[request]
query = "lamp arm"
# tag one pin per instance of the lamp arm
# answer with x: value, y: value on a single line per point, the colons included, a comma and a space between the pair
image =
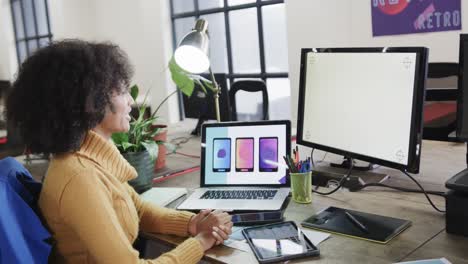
x: 216, y: 91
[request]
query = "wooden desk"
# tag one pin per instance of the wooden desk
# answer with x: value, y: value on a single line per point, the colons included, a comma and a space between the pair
x: 426, y: 238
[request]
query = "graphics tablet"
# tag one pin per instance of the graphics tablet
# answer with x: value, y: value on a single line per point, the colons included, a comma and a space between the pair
x: 372, y: 227
x: 279, y: 242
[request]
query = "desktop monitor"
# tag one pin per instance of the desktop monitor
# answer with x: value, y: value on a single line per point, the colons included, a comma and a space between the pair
x: 462, y: 102
x: 364, y: 103
x: 201, y: 105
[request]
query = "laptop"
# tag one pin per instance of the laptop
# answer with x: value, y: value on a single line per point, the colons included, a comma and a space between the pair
x: 242, y: 166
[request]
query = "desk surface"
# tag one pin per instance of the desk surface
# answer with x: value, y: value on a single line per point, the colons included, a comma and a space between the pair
x: 426, y: 238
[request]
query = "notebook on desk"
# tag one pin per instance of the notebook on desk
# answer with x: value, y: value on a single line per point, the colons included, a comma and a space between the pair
x: 376, y: 228
x: 240, y: 168
x: 163, y: 196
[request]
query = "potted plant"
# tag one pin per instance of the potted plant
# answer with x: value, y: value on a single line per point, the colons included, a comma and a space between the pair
x: 139, y: 146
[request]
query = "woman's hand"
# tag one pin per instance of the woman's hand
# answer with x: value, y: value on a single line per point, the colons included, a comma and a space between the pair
x: 216, y: 237
x: 206, y: 240
x: 206, y: 219
x: 211, y: 227
x: 192, y: 227
x: 222, y: 232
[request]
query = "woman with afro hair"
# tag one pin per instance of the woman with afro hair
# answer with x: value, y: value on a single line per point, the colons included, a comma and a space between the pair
x: 67, y: 100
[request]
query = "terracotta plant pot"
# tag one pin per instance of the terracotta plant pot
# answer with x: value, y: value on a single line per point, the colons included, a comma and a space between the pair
x: 161, y: 136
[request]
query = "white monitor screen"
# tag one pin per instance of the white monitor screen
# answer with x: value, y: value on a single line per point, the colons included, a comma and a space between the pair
x: 360, y: 103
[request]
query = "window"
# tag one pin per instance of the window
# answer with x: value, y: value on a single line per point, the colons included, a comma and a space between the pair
x: 31, y: 25
x: 247, y: 40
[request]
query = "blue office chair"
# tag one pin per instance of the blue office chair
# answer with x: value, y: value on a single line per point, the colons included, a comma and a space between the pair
x: 250, y: 86
x: 23, y: 237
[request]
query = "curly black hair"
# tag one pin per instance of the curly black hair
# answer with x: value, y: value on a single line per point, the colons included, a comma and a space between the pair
x: 63, y: 90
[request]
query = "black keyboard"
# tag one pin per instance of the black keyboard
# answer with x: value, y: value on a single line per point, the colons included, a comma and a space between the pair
x: 239, y: 194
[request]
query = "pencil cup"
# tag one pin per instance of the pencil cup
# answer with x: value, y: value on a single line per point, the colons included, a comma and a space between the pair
x: 301, y: 185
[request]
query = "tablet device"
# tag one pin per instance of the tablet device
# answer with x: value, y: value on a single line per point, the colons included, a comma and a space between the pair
x: 279, y: 242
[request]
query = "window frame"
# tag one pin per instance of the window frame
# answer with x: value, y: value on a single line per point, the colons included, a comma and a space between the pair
x: 35, y: 36
x: 230, y: 75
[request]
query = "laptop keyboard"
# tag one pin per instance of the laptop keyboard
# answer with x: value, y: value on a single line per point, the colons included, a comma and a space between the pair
x: 239, y: 194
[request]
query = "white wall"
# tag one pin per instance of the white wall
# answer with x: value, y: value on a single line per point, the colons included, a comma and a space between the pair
x: 140, y: 27
x: 8, y: 61
x: 341, y: 23
x: 73, y: 19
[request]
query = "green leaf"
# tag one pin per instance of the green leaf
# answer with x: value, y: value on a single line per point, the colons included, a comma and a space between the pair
x: 120, y: 137
x: 152, y: 148
x: 181, y: 78
x: 170, y: 147
x: 127, y: 145
x: 134, y: 91
x: 155, y: 132
x: 141, y: 112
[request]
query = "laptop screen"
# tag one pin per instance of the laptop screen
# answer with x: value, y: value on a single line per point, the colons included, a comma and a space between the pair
x: 245, y: 153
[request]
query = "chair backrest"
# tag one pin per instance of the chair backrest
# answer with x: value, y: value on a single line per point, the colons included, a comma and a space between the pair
x: 442, y: 75
x: 250, y: 86
x: 23, y: 237
x: 440, y: 102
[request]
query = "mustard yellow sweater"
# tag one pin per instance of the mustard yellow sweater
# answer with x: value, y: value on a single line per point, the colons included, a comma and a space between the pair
x: 95, y: 215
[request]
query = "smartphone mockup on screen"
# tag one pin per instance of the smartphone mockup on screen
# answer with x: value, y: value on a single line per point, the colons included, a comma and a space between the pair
x: 221, y: 155
x: 244, y: 154
x: 268, y: 161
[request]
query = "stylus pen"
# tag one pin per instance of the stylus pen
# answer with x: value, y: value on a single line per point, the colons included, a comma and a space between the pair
x: 356, y: 222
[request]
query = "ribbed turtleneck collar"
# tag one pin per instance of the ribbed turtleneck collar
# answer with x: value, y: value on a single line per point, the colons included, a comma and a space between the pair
x: 106, y: 154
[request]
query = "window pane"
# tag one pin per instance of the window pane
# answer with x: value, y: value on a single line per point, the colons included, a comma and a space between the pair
x: 244, y: 39
x: 279, y: 94
x: 18, y: 19
x: 240, y: 2
x: 218, y: 49
x: 182, y: 27
x: 21, y: 46
x: 248, y: 105
x: 274, y: 33
x: 207, y: 4
x: 41, y: 17
x: 29, y: 18
x: 32, y: 46
x: 43, y: 42
x: 182, y: 6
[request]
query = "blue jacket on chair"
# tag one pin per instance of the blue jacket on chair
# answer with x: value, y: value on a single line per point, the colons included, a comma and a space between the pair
x: 22, y: 235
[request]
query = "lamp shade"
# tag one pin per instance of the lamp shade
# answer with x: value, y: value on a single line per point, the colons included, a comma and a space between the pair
x: 192, y: 52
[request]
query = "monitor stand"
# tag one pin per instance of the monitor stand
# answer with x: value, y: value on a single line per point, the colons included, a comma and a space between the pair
x: 347, y: 161
x: 327, y: 176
